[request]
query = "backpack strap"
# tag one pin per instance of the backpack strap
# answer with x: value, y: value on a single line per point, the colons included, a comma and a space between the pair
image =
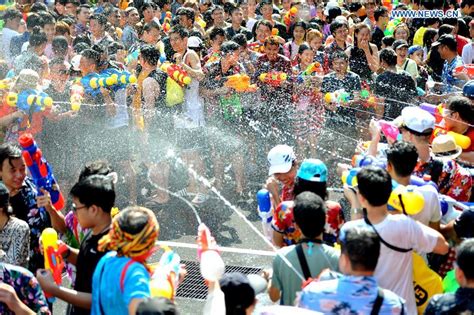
x: 303, y: 262
x: 378, y: 302
x: 392, y: 247
x: 123, y: 274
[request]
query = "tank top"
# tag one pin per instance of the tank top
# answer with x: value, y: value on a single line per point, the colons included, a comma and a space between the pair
x: 193, y: 108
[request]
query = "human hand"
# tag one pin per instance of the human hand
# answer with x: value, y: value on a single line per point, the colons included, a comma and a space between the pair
x: 44, y: 201
x: 10, y: 298
x: 374, y: 130
x: 19, y: 114
x: 461, y: 76
x: 46, y: 281
x: 182, y: 273
x: 351, y: 196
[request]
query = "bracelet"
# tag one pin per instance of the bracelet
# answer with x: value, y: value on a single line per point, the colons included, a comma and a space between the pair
x: 356, y: 210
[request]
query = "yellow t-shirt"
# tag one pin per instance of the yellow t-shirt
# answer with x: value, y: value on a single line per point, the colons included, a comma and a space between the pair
x: 418, y: 37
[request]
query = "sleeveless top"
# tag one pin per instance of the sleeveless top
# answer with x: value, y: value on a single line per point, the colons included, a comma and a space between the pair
x: 358, y: 63
x: 193, y: 107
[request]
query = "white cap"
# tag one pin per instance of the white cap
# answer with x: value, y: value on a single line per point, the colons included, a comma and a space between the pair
x: 330, y: 5
x: 416, y: 119
x: 75, y: 62
x: 281, y: 159
x: 194, y: 42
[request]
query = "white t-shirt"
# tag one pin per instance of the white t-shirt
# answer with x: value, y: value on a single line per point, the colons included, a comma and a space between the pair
x: 7, y: 36
x: 468, y: 54
x: 431, y: 211
x: 394, y: 269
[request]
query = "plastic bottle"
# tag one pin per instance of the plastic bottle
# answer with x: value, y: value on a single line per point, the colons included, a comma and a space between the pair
x: 265, y: 212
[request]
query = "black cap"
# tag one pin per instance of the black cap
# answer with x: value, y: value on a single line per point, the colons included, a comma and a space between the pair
x: 156, y: 306
x: 445, y: 39
x: 238, y: 292
x: 399, y: 43
x: 4, y: 195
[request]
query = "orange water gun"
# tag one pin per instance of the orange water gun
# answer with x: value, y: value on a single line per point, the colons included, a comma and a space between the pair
x: 289, y: 16
x: 461, y: 140
x: 315, y: 67
x: 177, y: 73
x: 240, y: 83
x: 274, y: 79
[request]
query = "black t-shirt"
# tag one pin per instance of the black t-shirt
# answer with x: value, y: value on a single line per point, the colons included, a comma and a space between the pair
x: 377, y: 36
x: 464, y: 224
x: 230, y: 32
x: 87, y: 260
x: 398, y: 89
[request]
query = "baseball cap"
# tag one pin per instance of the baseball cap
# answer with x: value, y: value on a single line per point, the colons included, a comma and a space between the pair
x: 281, y: 159
x: 468, y: 89
x: 416, y: 120
x: 445, y: 39
x: 399, y: 43
x: 313, y: 170
x: 194, y: 42
x: 4, y: 195
x: 238, y: 292
x: 156, y: 306
x: 414, y: 49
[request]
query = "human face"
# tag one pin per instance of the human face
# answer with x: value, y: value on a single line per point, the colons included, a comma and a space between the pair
x: 272, y: 51
x: 85, y: 65
x: 96, y: 29
x: 59, y: 8
x: 185, y: 22
x: 402, y: 52
x: 298, y: 34
x: 177, y: 43
x: 13, y: 173
x: 442, y: 51
x: 82, y: 213
x: 286, y: 5
x: 218, y: 17
x: 339, y: 66
x: 133, y: 17
x: 59, y: 73
x: 316, y: 43
x: 237, y: 17
x: 252, y: 6
x: 262, y: 32
x: 418, y: 57
x: 233, y: 58
x: 148, y: 15
x: 307, y: 56
x: 471, y: 30
x: 267, y: 11
x: 363, y: 34
x: 70, y: 9
x: 383, y: 20
x: 452, y: 120
x: 15, y: 24
x: 114, y: 18
x: 50, y: 30
x: 152, y: 36
x: 401, y: 33
x: 287, y: 178
x: 369, y: 9
x: 84, y: 15
x: 340, y: 34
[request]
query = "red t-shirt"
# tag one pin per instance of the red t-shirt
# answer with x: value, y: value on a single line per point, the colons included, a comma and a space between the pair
x: 461, y: 41
x: 470, y: 133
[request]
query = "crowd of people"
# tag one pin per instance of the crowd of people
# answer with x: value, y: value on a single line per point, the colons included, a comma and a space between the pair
x: 135, y: 102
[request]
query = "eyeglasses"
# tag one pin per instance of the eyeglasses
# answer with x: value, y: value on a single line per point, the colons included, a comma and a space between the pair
x: 63, y: 72
x: 75, y: 208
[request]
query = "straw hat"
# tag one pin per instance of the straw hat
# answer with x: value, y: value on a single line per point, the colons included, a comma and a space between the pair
x: 445, y: 148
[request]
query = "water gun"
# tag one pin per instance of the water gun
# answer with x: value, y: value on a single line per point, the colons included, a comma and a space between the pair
x: 451, y: 208
x: 467, y: 69
x: 133, y: 56
x: 339, y: 97
x: 29, y: 100
x: 53, y: 259
x: 370, y: 100
x: 435, y: 110
x: 116, y: 79
x: 274, y: 79
x: 40, y: 170
x: 240, y: 83
x: 86, y: 83
x: 212, y: 265
x: 166, y: 25
x: 391, y: 26
x: 369, y: 160
x: 165, y: 278
x: 177, y: 73
x: 77, y: 94
x: 422, y: 181
x: 389, y: 130
x: 461, y: 140
x: 349, y: 177
x: 289, y: 16
x: 5, y: 84
x: 406, y: 199
x: 265, y: 212
x: 315, y: 67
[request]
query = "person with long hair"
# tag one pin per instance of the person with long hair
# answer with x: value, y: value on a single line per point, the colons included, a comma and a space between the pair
x: 298, y: 31
x: 363, y: 57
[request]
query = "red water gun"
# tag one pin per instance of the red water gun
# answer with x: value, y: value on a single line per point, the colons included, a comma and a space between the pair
x: 177, y: 73
x: 289, y: 16
x: 274, y: 79
x: 40, y: 170
x: 167, y: 22
x: 466, y: 69
x: 53, y: 259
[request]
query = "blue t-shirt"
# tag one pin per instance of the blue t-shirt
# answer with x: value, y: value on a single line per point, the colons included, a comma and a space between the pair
x: 447, y: 76
x: 106, y: 285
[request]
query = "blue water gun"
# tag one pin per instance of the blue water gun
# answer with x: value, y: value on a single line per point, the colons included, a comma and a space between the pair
x: 40, y: 170
x: 29, y: 100
x: 88, y: 82
x: 118, y: 79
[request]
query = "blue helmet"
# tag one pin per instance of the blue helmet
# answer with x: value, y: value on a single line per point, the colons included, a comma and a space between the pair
x: 468, y: 89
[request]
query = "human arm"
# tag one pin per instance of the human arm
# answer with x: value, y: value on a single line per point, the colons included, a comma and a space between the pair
x: 11, y: 300
x: 467, y: 157
x: 273, y: 187
x: 192, y: 65
x: 427, y: 240
x: 150, y: 90
x: 57, y: 218
x: 372, y: 58
x: 278, y: 239
x: 8, y: 119
x: 71, y: 296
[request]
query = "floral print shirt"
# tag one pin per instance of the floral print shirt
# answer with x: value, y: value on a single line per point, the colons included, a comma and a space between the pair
x: 26, y: 287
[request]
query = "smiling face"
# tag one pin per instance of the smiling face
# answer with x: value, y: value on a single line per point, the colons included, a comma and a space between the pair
x: 262, y: 32
x: 340, y: 66
x: 267, y: 11
x: 272, y: 51
x: 177, y: 43
x: 402, y: 52
x: 148, y: 15
x: 13, y: 173
x: 50, y: 30
x: 400, y: 33
x: 237, y: 17
x: 340, y: 34
x: 363, y: 34
x: 218, y: 17
x: 299, y: 33
x: 316, y: 43
x: 307, y: 56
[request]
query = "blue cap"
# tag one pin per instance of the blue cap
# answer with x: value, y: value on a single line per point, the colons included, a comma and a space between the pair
x: 468, y: 89
x: 413, y: 49
x: 313, y: 170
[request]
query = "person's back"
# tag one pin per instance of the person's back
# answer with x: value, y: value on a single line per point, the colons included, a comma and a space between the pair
x: 360, y: 251
x: 309, y: 214
x: 462, y: 301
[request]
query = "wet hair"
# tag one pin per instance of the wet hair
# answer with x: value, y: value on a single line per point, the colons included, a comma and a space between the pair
x: 60, y: 45
x: 302, y: 48
x: 147, y: 5
x: 34, y: 19
x: 100, y: 18
x: 302, y: 24
x: 465, y: 258
x: 272, y: 41
x: 335, y: 25
x: 47, y: 18
x: 312, y: 34
x: 92, y: 55
x: 95, y: 190
x: 233, y: 8
x: 9, y: 152
x: 319, y: 188
x: 463, y: 106
x: 445, y: 29
x: 11, y: 14
x: 265, y: 23
x: 152, y: 25
x: 380, y: 11
x: 98, y: 167
x: 38, y: 7
x: 340, y: 54
x: 229, y: 47
x: 56, y: 61
x: 150, y: 54
x: 403, y: 157
x: 162, y: 3
x: 240, y: 39
x: 216, y: 31
x: 37, y: 37
x: 428, y: 37
x: 375, y: 185
x: 81, y: 39
x: 82, y: 6
x: 188, y: 12
x: 388, y: 41
x: 62, y: 28
x: 388, y: 56
x: 309, y: 213
x: 216, y: 8
x: 362, y: 247
x: 180, y: 31
x: 113, y: 48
